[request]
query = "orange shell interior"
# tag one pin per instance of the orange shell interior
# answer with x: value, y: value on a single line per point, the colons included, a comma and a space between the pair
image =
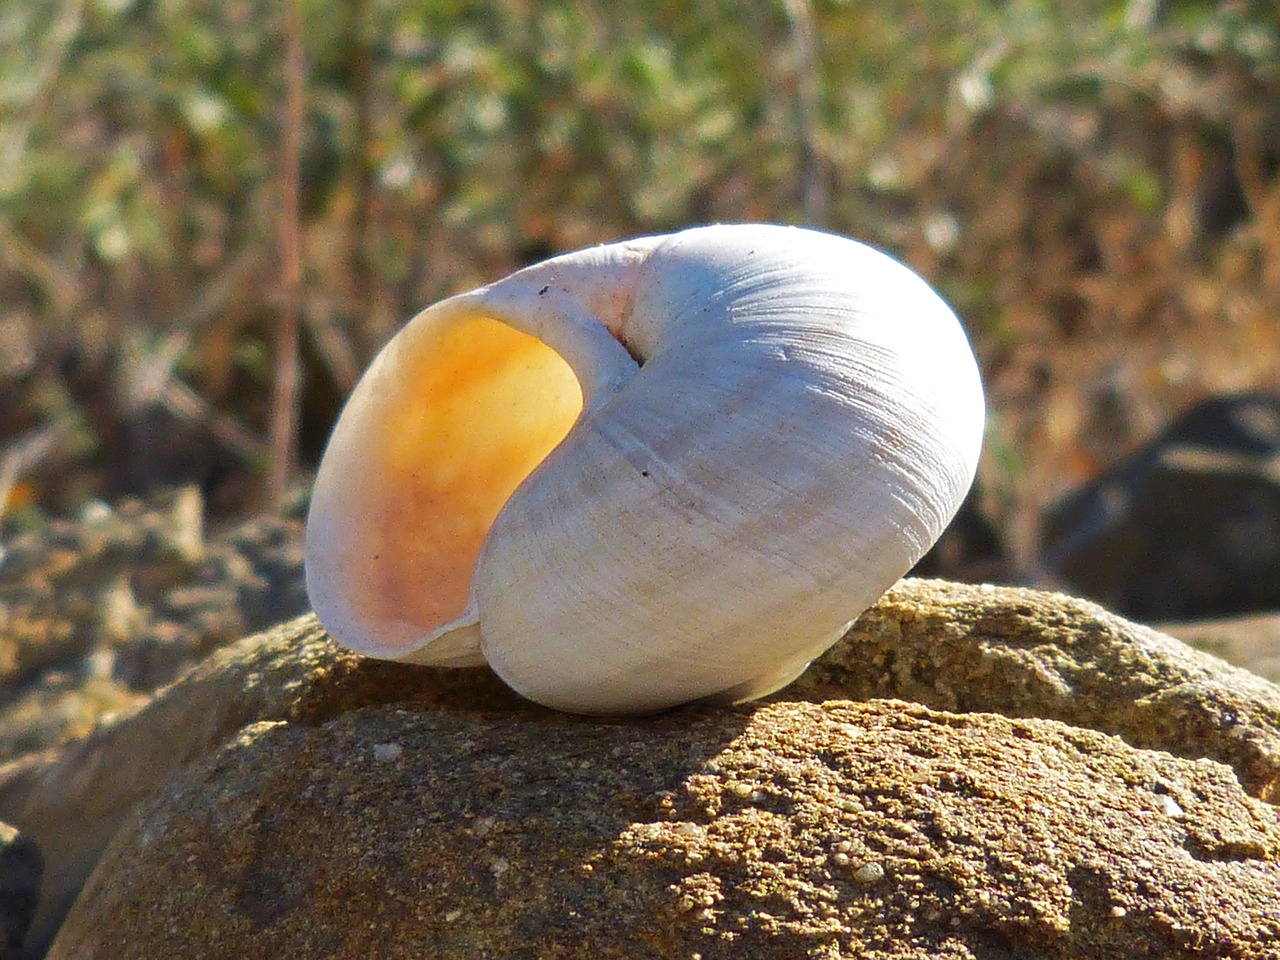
x: 464, y: 411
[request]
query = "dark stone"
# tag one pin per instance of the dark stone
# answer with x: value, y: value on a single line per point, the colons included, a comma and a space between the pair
x: 21, y: 866
x: 1187, y: 527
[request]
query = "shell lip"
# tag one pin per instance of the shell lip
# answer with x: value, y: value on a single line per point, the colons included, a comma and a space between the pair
x: 455, y: 643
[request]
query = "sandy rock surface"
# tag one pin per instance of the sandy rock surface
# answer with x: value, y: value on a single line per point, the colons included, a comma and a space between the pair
x: 300, y: 709
x: 74, y: 799
x: 782, y: 831
x: 1028, y: 653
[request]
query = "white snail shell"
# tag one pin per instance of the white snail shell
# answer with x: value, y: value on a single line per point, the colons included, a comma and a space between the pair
x: 649, y: 472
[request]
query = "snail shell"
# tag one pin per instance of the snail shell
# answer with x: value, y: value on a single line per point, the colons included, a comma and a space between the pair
x: 649, y: 472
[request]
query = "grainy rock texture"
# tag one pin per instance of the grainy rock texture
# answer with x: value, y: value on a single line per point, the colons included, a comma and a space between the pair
x: 20, y: 868
x: 961, y: 649
x: 1027, y: 653
x: 789, y: 830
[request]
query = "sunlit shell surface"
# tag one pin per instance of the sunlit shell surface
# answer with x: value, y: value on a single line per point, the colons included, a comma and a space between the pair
x: 647, y: 473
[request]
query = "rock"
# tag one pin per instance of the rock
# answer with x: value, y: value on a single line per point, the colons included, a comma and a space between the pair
x: 20, y: 869
x: 964, y: 649
x: 1189, y: 527
x: 1252, y: 642
x: 777, y: 831
x: 98, y: 614
x: 1027, y: 653
x: 72, y: 800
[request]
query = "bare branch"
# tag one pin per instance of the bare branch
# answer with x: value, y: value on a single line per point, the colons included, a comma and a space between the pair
x: 58, y: 283
x: 284, y: 408
x: 804, y: 43
x: 183, y: 402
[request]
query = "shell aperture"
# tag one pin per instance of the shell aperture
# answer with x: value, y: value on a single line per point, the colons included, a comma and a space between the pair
x: 451, y: 418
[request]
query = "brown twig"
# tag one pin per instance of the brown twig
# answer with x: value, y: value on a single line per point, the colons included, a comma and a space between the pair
x: 151, y: 381
x: 181, y: 401
x: 334, y: 346
x: 216, y: 296
x: 57, y: 281
x: 148, y: 369
x: 360, y: 77
x: 284, y: 408
x: 804, y: 43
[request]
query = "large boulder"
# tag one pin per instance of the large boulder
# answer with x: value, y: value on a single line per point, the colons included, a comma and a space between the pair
x: 779, y: 831
x: 356, y: 751
x: 72, y: 800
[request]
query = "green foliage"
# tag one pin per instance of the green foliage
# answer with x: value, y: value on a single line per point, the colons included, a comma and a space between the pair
x: 450, y: 140
x: 144, y: 132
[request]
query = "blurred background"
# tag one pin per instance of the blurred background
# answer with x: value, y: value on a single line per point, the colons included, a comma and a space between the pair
x: 1094, y: 185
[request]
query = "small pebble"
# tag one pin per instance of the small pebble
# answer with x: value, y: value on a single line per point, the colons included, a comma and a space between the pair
x: 1169, y: 806
x: 387, y: 751
x: 869, y: 873
x: 95, y: 511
